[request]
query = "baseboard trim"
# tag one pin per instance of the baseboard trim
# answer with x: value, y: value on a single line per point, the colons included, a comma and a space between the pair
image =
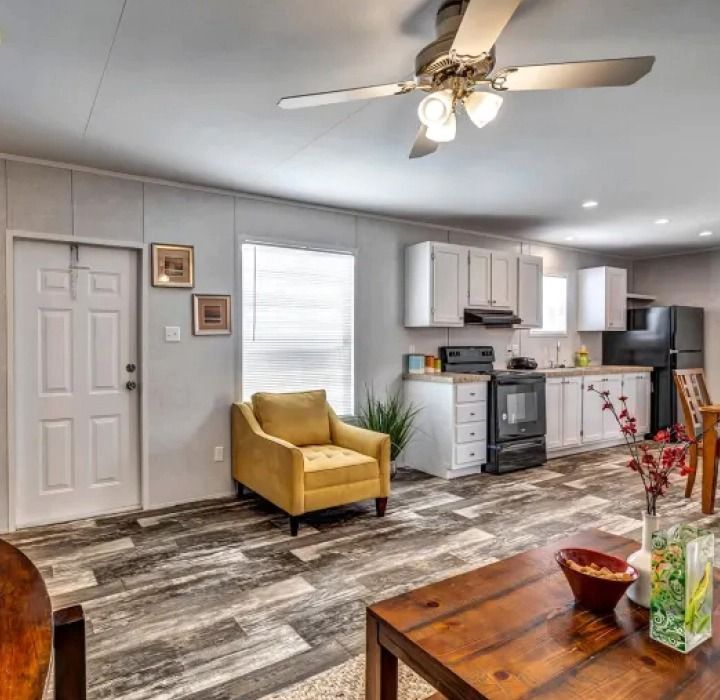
x: 579, y: 449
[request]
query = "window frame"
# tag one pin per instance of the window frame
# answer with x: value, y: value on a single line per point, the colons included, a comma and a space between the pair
x: 296, y: 245
x: 540, y: 332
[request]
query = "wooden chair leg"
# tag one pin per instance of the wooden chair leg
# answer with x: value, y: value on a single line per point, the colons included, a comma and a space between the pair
x: 380, y: 506
x: 294, y: 525
x: 239, y: 490
x: 693, y: 453
x: 69, y: 644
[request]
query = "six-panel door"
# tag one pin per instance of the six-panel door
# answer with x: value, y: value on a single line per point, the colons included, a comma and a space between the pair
x: 76, y: 419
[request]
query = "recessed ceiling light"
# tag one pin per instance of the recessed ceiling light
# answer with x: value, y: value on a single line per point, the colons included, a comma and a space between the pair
x: 590, y: 204
x: 569, y: 238
x: 705, y: 234
x: 662, y: 222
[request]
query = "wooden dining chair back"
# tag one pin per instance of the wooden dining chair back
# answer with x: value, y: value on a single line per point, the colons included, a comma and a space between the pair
x: 693, y: 393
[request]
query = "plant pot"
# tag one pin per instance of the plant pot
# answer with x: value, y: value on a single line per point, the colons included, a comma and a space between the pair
x: 393, y: 468
x: 641, y: 561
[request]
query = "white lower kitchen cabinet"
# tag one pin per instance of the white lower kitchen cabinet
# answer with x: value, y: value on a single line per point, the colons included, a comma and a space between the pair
x: 563, y: 397
x: 450, y: 437
x: 576, y: 421
x: 637, y: 388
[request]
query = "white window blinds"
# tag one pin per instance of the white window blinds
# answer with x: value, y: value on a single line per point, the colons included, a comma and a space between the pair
x: 298, y: 322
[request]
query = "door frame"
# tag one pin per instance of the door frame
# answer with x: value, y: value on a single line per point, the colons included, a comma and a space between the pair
x: 141, y: 249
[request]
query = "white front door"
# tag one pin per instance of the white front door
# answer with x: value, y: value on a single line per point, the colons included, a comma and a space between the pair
x: 76, y: 341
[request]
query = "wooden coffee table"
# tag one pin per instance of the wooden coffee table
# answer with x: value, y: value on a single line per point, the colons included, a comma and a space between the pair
x: 511, y: 630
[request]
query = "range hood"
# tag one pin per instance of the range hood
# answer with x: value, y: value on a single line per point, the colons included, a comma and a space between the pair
x: 492, y: 319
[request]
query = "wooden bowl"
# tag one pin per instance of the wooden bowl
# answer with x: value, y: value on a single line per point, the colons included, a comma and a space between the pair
x: 593, y: 592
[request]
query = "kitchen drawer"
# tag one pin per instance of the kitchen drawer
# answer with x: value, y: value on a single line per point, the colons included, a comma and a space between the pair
x: 470, y: 452
x: 470, y: 432
x: 469, y: 393
x: 470, y: 412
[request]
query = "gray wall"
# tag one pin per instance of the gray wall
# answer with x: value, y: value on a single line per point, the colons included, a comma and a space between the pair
x: 689, y: 280
x: 192, y: 383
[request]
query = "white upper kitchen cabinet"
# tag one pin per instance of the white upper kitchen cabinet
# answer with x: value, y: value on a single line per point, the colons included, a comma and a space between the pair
x: 492, y: 279
x: 480, y: 277
x: 504, y: 281
x: 436, y: 284
x: 530, y: 291
x: 602, y: 299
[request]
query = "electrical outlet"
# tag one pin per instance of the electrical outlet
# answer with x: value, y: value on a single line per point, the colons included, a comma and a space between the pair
x: 219, y: 453
x: 172, y: 334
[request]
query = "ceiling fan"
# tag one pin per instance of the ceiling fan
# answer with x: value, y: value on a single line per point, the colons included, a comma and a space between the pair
x: 457, y: 70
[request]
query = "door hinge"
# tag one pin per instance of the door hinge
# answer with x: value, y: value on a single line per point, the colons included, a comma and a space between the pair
x: 582, y: 432
x: 432, y: 255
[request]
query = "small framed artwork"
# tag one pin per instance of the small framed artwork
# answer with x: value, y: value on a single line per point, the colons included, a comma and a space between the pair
x: 173, y: 265
x: 212, y: 314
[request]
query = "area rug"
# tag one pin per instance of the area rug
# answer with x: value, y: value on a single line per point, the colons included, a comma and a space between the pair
x: 347, y: 682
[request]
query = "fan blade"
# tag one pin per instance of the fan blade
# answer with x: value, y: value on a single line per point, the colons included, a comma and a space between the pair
x: 362, y: 93
x: 481, y: 26
x: 423, y: 146
x: 585, y: 74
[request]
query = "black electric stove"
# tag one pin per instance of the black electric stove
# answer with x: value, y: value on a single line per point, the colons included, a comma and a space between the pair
x: 516, y: 408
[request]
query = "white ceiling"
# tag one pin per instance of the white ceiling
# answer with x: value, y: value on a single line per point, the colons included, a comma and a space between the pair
x: 191, y: 85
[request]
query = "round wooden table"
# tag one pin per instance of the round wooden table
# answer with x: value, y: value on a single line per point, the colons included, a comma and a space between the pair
x: 26, y: 627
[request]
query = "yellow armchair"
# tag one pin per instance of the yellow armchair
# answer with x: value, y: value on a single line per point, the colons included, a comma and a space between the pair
x: 328, y: 463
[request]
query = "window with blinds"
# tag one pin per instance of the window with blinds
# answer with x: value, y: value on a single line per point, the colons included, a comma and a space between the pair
x: 298, y: 322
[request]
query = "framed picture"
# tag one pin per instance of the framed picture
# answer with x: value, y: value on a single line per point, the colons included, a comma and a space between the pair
x: 173, y: 265
x: 212, y: 314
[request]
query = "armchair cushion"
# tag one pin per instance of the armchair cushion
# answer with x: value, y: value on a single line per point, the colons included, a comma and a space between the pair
x: 330, y: 465
x: 300, y: 418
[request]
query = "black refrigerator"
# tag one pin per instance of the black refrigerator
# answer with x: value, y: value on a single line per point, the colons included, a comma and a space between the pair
x: 665, y: 338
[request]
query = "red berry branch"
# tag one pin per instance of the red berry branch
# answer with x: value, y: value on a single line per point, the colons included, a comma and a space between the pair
x: 653, y: 461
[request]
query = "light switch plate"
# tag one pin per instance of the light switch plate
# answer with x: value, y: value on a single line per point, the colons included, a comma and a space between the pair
x: 219, y: 453
x: 172, y: 334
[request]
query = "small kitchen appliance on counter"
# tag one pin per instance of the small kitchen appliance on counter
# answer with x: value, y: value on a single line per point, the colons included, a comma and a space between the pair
x: 522, y: 363
x: 516, y: 417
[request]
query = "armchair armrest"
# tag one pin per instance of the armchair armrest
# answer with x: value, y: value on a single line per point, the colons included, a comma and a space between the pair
x: 271, y: 467
x: 366, y: 442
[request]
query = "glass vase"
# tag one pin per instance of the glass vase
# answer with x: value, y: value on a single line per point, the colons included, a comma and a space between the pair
x: 682, y: 587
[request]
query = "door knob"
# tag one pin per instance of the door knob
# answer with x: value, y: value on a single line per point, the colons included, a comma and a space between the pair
x: 130, y: 367
x: 131, y: 385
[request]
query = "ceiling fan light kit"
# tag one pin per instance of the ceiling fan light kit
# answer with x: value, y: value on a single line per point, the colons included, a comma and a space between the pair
x: 445, y: 132
x: 436, y: 108
x: 462, y: 59
x: 482, y: 107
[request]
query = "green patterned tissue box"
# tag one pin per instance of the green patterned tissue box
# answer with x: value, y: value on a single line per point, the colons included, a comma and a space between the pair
x: 681, y: 600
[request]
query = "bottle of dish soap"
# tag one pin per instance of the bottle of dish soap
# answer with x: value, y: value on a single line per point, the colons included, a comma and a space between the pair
x: 582, y: 357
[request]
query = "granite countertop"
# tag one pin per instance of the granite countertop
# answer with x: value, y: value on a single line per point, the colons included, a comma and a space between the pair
x: 447, y: 378
x: 592, y: 370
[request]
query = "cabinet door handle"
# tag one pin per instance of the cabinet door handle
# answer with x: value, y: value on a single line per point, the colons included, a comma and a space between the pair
x: 472, y: 434
x: 472, y: 414
x: 472, y: 454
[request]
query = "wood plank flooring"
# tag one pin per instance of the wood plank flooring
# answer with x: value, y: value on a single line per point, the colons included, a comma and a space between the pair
x: 216, y: 601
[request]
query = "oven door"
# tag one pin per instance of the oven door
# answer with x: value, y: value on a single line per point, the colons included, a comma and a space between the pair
x: 519, y: 407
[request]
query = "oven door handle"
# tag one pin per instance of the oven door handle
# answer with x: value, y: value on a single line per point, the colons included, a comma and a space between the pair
x: 520, y: 380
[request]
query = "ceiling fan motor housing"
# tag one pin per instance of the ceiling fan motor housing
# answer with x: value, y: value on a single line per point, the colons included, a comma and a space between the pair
x: 434, y: 60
